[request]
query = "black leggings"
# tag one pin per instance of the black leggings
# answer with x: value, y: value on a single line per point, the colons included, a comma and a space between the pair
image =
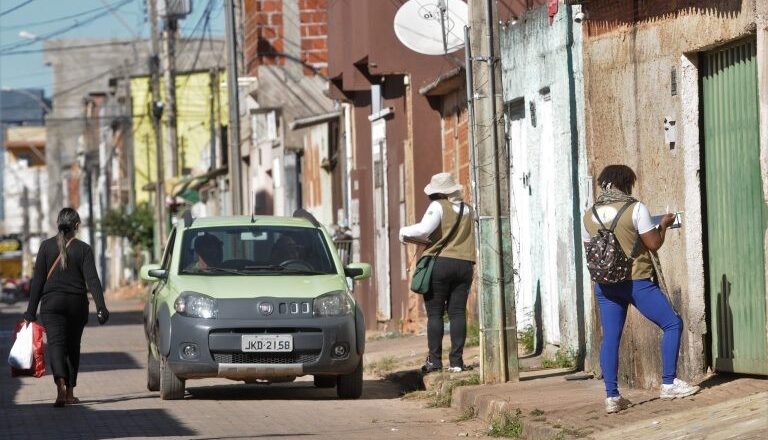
x: 451, y: 280
x: 64, y: 317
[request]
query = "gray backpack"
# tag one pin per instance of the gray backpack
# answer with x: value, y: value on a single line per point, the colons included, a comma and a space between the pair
x: 606, y: 260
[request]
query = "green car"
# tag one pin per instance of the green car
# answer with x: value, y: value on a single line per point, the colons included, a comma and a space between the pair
x: 254, y: 299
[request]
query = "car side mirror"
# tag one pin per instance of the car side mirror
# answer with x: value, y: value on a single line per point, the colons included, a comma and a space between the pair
x: 358, y: 271
x: 152, y: 272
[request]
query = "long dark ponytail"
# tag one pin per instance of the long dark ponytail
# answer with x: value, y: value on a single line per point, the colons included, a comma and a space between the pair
x: 67, y: 223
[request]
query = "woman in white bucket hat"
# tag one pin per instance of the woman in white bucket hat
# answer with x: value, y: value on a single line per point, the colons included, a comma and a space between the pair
x: 448, y: 228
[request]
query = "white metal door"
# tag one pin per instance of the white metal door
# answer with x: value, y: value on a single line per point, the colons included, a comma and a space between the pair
x: 548, y: 234
x: 519, y: 179
x: 381, y: 220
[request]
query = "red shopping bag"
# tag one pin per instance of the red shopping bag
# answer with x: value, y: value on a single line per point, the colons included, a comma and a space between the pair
x: 38, y: 358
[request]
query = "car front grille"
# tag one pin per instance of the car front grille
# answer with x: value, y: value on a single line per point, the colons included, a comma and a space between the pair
x: 267, y: 358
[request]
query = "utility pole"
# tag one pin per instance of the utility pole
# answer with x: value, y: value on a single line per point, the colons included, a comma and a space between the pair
x: 214, y: 80
x: 27, y: 254
x: 235, y: 173
x: 156, y: 112
x: 169, y: 49
x: 499, y: 361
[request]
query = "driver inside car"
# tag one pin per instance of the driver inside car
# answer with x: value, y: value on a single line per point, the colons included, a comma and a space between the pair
x: 285, y: 249
x: 208, y: 253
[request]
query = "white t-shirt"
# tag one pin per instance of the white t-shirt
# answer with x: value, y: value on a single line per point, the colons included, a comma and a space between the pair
x: 430, y: 221
x: 641, y: 218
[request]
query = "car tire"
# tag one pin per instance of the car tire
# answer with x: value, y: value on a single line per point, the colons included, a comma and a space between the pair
x: 350, y: 386
x: 171, y: 387
x: 153, y: 372
x: 325, y: 381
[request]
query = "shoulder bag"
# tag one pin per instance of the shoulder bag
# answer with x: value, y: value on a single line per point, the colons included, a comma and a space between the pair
x: 422, y: 276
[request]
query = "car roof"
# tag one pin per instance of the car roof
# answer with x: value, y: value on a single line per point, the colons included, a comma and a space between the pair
x: 245, y: 220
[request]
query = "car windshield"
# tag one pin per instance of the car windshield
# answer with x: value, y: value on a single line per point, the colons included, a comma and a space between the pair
x: 255, y: 250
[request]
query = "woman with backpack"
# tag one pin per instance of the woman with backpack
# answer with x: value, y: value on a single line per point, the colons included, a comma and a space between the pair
x: 449, y: 228
x: 619, y: 237
x: 64, y: 273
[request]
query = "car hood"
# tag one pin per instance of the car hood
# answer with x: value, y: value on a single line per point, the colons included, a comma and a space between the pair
x: 254, y: 286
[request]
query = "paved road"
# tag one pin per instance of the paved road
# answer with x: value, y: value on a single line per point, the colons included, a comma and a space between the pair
x: 116, y: 403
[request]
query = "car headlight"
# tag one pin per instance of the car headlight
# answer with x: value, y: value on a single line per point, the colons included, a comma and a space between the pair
x: 333, y: 304
x: 196, y: 305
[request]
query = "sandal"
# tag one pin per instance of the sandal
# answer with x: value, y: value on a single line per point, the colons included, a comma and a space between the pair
x: 73, y: 401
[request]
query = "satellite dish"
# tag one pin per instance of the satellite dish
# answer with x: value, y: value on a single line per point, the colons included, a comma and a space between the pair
x: 432, y: 27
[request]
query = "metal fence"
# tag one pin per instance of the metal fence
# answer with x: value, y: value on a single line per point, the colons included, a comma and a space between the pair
x: 344, y: 247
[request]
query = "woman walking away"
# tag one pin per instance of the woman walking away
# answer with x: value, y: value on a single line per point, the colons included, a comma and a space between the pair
x: 449, y: 227
x: 617, y: 216
x: 64, y: 273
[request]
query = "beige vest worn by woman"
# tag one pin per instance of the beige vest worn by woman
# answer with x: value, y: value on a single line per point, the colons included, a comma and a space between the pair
x: 462, y: 246
x: 629, y: 239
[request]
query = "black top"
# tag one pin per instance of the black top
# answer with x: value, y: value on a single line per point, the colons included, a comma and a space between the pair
x: 78, y: 278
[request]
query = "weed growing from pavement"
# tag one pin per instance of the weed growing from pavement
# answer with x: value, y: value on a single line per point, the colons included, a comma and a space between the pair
x: 563, y: 359
x: 527, y: 338
x: 507, y: 424
x: 468, y: 414
x: 537, y: 412
x: 383, y: 365
x: 443, y: 389
x: 473, y: 335
x: 566, y: 433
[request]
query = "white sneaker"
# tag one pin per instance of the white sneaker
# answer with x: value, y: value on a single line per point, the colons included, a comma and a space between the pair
x: 678, y: 389
x: 616, y: 404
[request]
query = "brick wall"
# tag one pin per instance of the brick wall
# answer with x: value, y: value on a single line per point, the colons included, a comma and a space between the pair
x: 313, y: 15
x: 265, y: 29
x: 264, y: 32
x: 455, y: 134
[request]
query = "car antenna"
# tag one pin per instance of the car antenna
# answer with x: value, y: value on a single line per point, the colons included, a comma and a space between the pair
x: 188, y: 219
x: 303, y: 213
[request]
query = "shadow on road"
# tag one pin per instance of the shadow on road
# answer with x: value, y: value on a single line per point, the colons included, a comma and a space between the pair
x: 107, y: 361
x: 372, y: 390
x: 45, y: 421
x: 119, y: 318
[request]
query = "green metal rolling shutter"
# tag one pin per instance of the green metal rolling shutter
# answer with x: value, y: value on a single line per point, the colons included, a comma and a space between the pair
x: 735, y: 210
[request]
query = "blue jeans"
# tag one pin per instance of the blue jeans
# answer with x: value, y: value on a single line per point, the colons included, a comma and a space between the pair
x: 614, y: 300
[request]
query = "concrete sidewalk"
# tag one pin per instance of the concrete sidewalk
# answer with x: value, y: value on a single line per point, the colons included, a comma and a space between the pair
x: 553, y: 408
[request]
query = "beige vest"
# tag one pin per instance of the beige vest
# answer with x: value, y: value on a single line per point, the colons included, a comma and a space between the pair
x: 629, y: 239
x: 462, y: 246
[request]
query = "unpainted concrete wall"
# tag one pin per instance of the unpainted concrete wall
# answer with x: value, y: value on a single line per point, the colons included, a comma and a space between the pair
x: 629, y: 56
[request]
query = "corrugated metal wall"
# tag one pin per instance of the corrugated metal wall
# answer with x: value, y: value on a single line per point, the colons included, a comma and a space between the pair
x: 735, y: 211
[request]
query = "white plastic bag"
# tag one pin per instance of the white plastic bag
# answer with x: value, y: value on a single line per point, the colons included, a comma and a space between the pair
x: 22, y: 352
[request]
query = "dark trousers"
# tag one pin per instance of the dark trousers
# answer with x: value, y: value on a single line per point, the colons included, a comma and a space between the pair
x: 64, y: 317
x: 451, y: 280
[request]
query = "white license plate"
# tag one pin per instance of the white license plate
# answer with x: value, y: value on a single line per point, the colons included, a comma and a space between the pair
x: 266, y: 343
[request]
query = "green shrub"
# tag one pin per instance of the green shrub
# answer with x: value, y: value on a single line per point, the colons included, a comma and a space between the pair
x: 506, y: 424
x: 527, y: 338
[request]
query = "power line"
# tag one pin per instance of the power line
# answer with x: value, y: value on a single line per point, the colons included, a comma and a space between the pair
x: 66, y: 29
x: 65, y: 48
x: 20, y: 5
x: 52, y: 20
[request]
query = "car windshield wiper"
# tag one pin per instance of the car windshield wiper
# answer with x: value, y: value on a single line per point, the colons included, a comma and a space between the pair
x: 284, y: 270
x: 215, y: 269
x: 303, y: 272
x: 268, y: 268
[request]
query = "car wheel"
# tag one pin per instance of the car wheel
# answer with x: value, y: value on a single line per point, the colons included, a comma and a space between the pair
x: 171, y: 387
x: 325, y: 381
x: 153, y: 372
x: 350, y: 386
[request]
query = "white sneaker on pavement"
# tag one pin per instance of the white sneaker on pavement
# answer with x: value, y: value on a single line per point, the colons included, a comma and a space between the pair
x: 616, y: 404
x: 678, y: 389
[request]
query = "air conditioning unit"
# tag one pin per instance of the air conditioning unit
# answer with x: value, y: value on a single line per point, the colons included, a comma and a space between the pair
x: 174, y: 8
